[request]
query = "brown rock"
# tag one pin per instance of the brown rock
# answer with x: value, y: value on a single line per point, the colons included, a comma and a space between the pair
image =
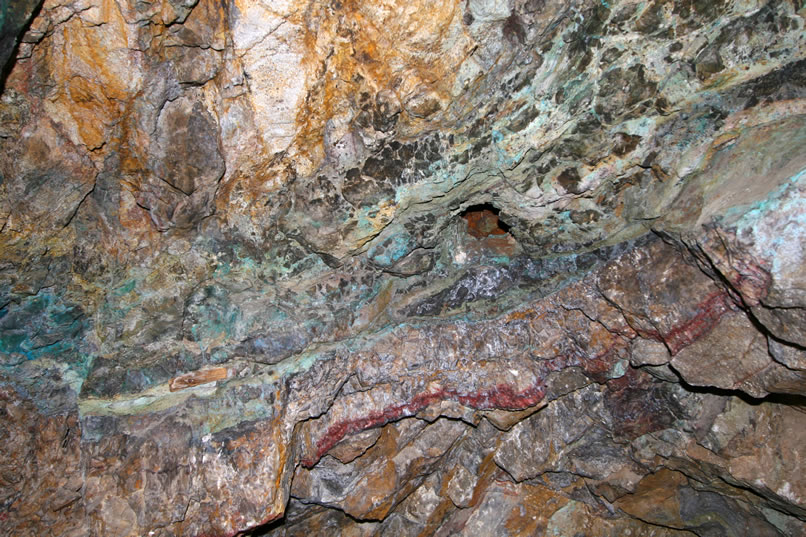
x: 197, y: 378
x: 734, y: 356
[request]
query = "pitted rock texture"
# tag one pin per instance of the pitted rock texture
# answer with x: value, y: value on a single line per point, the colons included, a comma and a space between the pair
x: 385, y: 268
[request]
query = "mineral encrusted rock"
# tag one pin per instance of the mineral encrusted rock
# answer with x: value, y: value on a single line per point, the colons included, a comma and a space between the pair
x: 387, y: 268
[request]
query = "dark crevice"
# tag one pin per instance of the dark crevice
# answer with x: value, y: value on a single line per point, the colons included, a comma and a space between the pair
x: 78, y: 206
x: 264, y: 529
x: 6, y: 69
x: 795, y: 400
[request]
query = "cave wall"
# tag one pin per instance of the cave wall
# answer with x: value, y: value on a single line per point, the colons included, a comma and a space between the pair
x: 473, y: 267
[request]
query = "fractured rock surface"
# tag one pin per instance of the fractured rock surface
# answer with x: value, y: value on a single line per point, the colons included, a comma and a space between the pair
x: 484, y: 267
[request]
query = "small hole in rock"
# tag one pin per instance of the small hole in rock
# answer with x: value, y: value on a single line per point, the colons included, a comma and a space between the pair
x: 482, y: 221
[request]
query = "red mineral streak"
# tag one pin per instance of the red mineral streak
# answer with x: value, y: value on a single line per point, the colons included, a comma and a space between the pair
x: 501, y: 396
x: 595, y: 366
x: 750, y: 277
x: 709, y: 312
x: 599, y: 367
x: 752, y: 281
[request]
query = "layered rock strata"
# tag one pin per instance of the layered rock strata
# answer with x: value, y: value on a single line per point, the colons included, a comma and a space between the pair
x: 477, y: 267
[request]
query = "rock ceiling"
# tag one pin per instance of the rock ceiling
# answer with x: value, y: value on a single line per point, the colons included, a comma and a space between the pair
x: 403, y: 268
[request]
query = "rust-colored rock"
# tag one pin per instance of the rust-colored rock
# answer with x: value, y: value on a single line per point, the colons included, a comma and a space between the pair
x: 197, y: 378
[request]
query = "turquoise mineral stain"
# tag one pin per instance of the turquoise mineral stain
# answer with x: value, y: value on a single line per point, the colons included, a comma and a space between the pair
x: 125, y: 289
x: 50, y: 327
x: 392, y: 250
x: 784, y: 200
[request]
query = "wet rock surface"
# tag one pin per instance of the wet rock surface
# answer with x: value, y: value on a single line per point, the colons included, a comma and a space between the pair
x: 403, y: 268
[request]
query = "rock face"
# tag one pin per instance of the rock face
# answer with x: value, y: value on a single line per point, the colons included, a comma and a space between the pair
x: 386, y: 268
